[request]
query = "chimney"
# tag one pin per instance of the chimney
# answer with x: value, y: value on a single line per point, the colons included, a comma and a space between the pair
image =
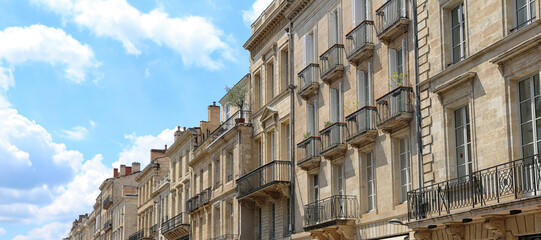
x: 136, y: 167
x: 128, y: 170
x: 177, y: 133
x: 165, y: 148
x: 156, y: 153
x: 122, y: 170
x: 214, y: 114
x: 115, y: 172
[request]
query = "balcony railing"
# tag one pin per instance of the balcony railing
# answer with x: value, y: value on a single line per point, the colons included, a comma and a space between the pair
x: 226, y: 237
x: 154, y: 230
x: 332, y: 138
x: 332, y: 65
x: 308, y: 80
x: 175, y: 222
x: 330, y: 211
x: 391, y: 18
x: 393, y: 104
x: 143, y: 233
x: 359, y: 123
x: 360, y: 42
x: 271, y: 173
x: 240, y: 117
x: 107, y: 225
x: 107, y: 202
x: 506, y: 182
x: 308, y: 152
x: 198, y: 200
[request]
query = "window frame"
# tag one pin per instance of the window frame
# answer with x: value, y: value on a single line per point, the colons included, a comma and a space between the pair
x: 461, y: 24
x: 529, y: 12
x: 370, y: 195
x: 467, y: 145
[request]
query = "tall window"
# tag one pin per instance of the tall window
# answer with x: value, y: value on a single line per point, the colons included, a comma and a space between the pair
x: 315, y: 187
x: 258, y: 90
x: 288, y: 142
x: 458, y: 33
x: 340, y: 180
x: 231, y: 221
x: 359, y: 11
x: 396, y: 65
x: 334, y: 27
x: 403, y: 161
x: 259, y: 154
x: 309, y: 48
x: 311, y: 118
x: 334, y: 104
x: 227, y: 111
x: 230, y: 166
x: 217, y: 222
x: 273, y: 220
x: 201, y: 180
x: 363, y: 88
x: 530, y: 115
x: 270, y: 81
x: 270, y: 147
x: 284, y: 68
x: 259, y: 223
x: 288, y: 216
x: 217, y: 174
x: 525, y: 12
x: 370, y: 186
x: 463, y: 142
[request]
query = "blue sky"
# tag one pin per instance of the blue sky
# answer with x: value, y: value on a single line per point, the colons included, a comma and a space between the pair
x: 88, y: 84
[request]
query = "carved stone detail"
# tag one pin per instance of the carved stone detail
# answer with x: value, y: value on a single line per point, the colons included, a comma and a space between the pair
x: 423, y: 235
x: 496, y: 226
x: 455, y: 232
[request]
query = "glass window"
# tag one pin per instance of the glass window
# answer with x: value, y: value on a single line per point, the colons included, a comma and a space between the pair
x: 359, y: 11
x: 403, y: 159
x: 530, y: 115
x: 525, y: 12
x: 335, y: 105
x: 370, y: 186
x: 309, y: 49
x: 311, y: 119
x: 363, y: 88
x: 340, y: 180
x: 458, y: 33
x: 463, y: 142
x: 315, y: 182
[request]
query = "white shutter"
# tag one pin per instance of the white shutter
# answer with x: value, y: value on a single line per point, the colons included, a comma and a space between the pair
x: 392, y: 68
x: 359, y: 11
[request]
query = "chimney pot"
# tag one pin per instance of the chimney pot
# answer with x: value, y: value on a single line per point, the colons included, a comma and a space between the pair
x: 214, y: 103
x: 165, y: 146
x: 184, y: 128
x: 115, y: 172
x: 178, y: 128
x: 122, y: 170
x: 128, y: 170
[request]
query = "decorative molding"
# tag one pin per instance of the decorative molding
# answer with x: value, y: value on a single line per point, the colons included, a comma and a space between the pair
x: 455, y: 232
x: 496, y: 225
x: 423, y: 235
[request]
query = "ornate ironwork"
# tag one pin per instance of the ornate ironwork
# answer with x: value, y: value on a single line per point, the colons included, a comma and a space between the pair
x: 266, y: 175
x: 324, y: 212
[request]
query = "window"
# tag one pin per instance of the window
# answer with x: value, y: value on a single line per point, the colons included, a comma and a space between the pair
x: 227, y: 109
x: 311, y: 118
x: 529, y: 91
x: 288, y: 217
x: 404, y: 168
x: 270, y: 81
x: 334, y: 27
x: 309, y: 48
x: 525, y: 12
x: 340, y: 179
x: 335, y: 104
x: 259, y: 154
x: 201, y: 180
x: 230, y: 166
x: 217, y: 174
x: 360, y: 10
x: 258, y: 90
x: 259, y: 223
x: 217, y: 222
x: 288, y: 142
x: 396, y: 65
x: 231, y: 221
x: 270, y: 147
x: 315, y: 185
x: 463, y: 142
x: 458, y: 36
x: 370, y: 186
x: 284, y: 68
x: 180, y: 162
x: 273, y: 220
x: 363, y: 88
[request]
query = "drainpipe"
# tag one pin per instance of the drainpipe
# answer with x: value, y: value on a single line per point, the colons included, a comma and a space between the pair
x: 417, y: 101
x: 239, y: 167
x: 292, y: 87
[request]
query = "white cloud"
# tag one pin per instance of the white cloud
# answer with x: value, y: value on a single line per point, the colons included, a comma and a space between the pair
x: 92, y: 123
x: 54, y: 230
x: 2, y: 231
x: 195, y: 38
x: 44, y: 44
x: 139, y: 149
x: 250, y: 15
x: 76, y: 133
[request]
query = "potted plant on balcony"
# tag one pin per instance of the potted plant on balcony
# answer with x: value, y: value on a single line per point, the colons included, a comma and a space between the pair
x: 307, y: 135
x: 235, y: 97
x: 327, y: 123
x: 397, y: 80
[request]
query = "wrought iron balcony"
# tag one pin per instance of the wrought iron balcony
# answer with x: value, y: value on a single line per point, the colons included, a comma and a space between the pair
x: 331, y: 212
x: 270, y: 179
x: 154, y: 230
x: 392, y: 20
x: 360, y: 43
x: 107, y: 225
x: 308, y: 81
x: 239, y: 117
x: 512, y: 181
x: 308, y: 153
x: 198, y: 200
x: 332, y: 67
x: 395, y: 109
x: 176, y: 227
x: 141, y: 234
x: 333, y: 144
x: 361, y: 127
x: 226, y: 237
x: 107, y: 202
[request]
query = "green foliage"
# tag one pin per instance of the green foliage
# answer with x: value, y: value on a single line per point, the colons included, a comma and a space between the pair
x: 236, y: 96
x: 351, y: 107
x: 398, y: 79
x: 327, y: 123
x: 307, y: 135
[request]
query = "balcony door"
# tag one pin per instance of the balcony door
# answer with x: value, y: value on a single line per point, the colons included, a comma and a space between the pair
x: 340, y: 192
x: 335, y: 115
x: 530, y: 129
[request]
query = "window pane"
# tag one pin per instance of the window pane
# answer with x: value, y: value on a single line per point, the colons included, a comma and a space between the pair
x: 459, y: 134
x: 456, y: 36
x: 536, y: 85
x: 470, y: 165
x: 527, y: 150
x: 403, y: 177
x: 527, y: 133
x: 525, y: 112
x: 521, y: 16
x: 461, y: 171
x: 456, y: 54
x: 459, y: 117
x: 454, y: 17
x: 369, y: 174
x: 460, y: 156
x: 524, y: 90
